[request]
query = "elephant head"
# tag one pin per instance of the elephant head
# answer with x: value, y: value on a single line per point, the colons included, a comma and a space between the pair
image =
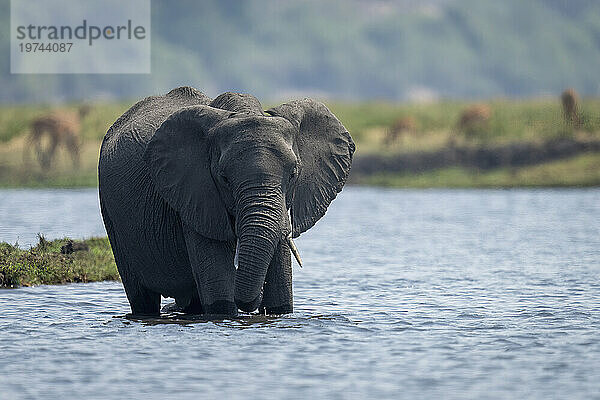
x: 234, y: 172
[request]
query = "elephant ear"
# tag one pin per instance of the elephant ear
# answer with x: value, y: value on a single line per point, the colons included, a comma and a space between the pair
x: 325, y: 150
x: 178, y: 158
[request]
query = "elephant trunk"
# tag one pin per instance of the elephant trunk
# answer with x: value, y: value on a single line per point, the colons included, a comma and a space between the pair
x: 262, y: 223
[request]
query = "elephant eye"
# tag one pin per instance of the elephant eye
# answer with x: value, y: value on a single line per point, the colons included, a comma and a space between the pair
x: 224, y: 179
x: 294, y: 173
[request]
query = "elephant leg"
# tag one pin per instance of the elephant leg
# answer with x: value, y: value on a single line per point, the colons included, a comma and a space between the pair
x: 277, y: 292
x: 214, y: 272
x: 143, y: 301
x: 192, y: 306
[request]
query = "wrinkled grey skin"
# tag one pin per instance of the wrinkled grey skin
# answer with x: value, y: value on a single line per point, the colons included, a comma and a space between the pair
x: 183, y: 179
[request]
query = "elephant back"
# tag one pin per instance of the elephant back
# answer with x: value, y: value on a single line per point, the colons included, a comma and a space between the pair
x: 121, y: 166
x: 143, y: 118
x: 238, y: 102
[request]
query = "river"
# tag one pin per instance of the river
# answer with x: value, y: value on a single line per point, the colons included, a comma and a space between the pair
x: 404, y: 294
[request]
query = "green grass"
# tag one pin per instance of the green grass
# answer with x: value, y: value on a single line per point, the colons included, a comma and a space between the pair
x: 511, y: 120
x: 15, y: 119
x: 533, y: 120
x: 19, y: 167
x: 18, y: 164
x: 44, y: 264
x: 579, y: 171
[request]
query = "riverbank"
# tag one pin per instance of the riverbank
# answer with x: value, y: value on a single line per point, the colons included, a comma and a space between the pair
x: 57, y: 262
x: 559, y: 162
x: 522, y: 143
x: 574, y: 172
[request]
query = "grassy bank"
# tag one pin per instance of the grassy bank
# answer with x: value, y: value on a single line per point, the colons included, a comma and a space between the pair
x: 18, y: 163
x: 579, y: 171
x: 435, y: 128
x: 44, y: 264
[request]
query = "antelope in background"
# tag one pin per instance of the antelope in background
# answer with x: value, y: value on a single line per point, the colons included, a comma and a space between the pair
x: 474, y: 119
x: 61, y: 128
x: 402, y: 126
x: 570, y: 104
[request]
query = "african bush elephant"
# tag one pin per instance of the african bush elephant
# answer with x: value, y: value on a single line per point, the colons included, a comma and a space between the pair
x: 184, y: 179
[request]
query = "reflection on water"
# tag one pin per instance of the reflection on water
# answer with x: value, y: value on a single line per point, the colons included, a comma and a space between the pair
x: 241, y: 321
x: 414, y: 294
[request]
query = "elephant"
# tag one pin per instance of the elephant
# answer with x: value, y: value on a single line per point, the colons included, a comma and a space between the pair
x: 188, y: 184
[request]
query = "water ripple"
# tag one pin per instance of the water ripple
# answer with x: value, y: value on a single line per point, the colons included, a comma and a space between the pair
x: 424, y: 294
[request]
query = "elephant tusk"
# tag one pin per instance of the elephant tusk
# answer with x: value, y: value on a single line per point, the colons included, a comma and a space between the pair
x: 294, y: 250
x: 235, y: 257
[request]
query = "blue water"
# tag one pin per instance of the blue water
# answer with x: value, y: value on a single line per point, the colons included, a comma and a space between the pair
x: 404, y: 294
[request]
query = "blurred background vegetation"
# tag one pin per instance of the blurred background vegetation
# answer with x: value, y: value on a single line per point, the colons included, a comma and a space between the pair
x: 348, y: 50
x: 400, y: 74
